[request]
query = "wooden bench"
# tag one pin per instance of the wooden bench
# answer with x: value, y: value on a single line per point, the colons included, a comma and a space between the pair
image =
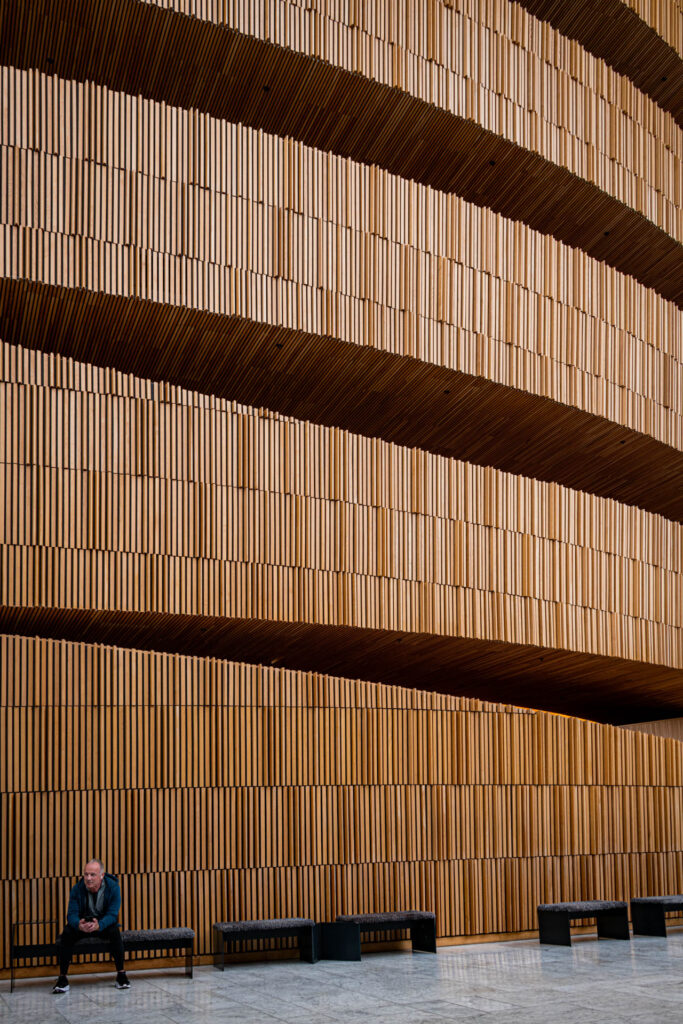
x: 134, y: 940
x: 229, y: 933
x: 341, y: 939
x: 554, y: 918
x: 648, y: 913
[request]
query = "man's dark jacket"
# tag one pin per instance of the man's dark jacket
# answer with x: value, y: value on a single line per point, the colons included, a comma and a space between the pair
x: 80, y: 908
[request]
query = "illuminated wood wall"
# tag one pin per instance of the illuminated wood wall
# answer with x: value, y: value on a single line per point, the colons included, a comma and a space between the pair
x: 669, y: 727
x: 291, y: 257
x: 664, y: 18
x: 165, y: 205
x: 474, y: 98
x: 400, y: 405
x: 639, y: 39
x: 125, y: 496
x: 496, y: 65
x: 222, y: 791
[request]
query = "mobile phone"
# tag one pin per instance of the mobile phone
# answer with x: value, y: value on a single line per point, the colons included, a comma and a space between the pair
x: 88, y: 918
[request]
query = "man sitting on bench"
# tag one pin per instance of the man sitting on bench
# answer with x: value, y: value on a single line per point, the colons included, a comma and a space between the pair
x: 94, y: 905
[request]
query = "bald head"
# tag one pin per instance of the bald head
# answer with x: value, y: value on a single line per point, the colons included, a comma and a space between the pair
x: 93, y: 873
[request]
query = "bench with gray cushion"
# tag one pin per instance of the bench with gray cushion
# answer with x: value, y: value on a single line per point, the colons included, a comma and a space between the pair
x: 227, y: 934
x: 340, y: 939
x: 648, y: 913
x: 134, y: 940
x: 554, y: 918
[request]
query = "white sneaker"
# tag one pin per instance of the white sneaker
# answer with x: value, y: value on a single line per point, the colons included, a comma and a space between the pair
x: 61, y: 985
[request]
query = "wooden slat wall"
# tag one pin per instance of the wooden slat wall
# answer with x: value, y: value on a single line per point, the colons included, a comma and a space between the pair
x: 665, y: 18
x: 174, y: 207
x: 493, y: 63
x: 221, y: 791
x: 246, y: 79
x: 616, y: 32
x: 123, y: 495
x: 669, y: 727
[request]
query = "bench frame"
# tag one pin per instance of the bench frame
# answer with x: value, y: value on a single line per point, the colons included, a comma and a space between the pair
x: 29, y: 950
x: 650, y: 918
x: 341, y: 940
x: 307, y: 936
x: 554, y: 925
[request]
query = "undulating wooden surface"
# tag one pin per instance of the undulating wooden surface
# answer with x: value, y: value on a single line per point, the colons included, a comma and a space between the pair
x: 224, y: 791
x: 514, y: 103
x: 605, y: 689
x: 669, y: 727
x: 492, y: 63
x: 202, y: 277
x: 318, y: 378
x: 184, y: 210
x: 665, y: 18
x: 125, y: 496
x: 637, y: 39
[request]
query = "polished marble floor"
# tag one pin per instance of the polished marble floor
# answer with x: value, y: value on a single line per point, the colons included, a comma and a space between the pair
x: 517, y: 982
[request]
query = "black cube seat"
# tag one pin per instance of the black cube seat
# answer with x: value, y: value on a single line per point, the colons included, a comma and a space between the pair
x: 340, y: 939
x: 648, y: 913
x: 554, y: 919
x: 229, y: 933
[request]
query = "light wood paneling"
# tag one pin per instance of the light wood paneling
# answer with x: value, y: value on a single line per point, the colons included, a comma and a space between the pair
x: 669, y: 727
x: 314, y: 252
x: 163, y: 204
x: 497, y: 65
x: 665, y: 18
x: 512, y: 103
x: 637, y: 39
x: 611, y: 690
x: 218, y: 790
x: 411, y: 402
x: 141, y: 509
x: 124, y: 496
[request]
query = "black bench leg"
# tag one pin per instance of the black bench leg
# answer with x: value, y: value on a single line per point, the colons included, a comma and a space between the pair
x: 648, y: 919
x: 219, y: 951
x: 553, y: 928
x: 613, y: 924
x: 423, y: 937
x: 189, y: 962
x: 308, y: 945
x: 339, y: 940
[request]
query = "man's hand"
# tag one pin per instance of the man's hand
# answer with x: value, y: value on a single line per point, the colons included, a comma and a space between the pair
x: 88, y: 926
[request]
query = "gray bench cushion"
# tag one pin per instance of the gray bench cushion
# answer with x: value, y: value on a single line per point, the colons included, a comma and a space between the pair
x: 583, y: 906
x: 391, y: 917
x: 139, y: 935
x: 156, y: 934
x: 674, y: 902
x: 273, y: 924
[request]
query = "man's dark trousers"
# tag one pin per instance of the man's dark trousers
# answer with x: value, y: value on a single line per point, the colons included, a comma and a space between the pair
x: 70, y: 937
